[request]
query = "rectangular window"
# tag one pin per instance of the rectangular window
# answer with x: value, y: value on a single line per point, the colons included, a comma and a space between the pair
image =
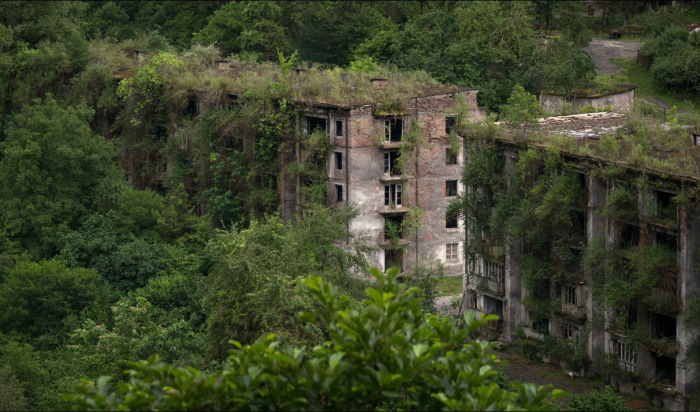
x: 626, y: 355
x: 391, y: 163
x: 339, y: 160
x: 339, y: 193
x: 392, y: 195
x: 450, y: 220
x: 313, y: 124
x: 451, y: 188
x: 450, y: 123
x: 570, y: 295
x: 450, y: 157
x: 452, y: 252
x: 393, y: 227
x: 338, y: 128
x: 393, y: 258
x: 570, y: 331
x: 393, y: 130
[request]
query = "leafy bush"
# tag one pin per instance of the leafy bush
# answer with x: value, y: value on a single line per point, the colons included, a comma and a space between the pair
x: 598, y: 401
x: 385, y: 355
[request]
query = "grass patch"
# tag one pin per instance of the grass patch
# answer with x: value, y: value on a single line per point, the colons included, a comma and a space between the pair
x: 647, y: 87
x: 449, y: 286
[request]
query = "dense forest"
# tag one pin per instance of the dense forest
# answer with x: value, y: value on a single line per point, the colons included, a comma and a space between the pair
x: 139, y: 212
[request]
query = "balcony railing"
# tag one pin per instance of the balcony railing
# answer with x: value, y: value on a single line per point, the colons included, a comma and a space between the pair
x: 491, y: 285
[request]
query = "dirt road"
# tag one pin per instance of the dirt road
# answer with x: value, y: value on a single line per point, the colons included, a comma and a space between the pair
x: 601, y: 50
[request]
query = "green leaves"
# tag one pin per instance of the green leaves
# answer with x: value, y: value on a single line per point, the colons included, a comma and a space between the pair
x: 382, y: 355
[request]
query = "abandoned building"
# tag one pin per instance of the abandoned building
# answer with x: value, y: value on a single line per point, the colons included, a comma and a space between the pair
x: 642, y: 343
x: 620, y: 99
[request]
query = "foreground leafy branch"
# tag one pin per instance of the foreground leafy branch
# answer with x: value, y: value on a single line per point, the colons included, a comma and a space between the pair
x: 384, y: 355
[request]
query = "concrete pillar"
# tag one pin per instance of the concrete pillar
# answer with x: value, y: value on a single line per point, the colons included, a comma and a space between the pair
x: 513, y: 308
x: 596, y: 225
x: 689, y: 289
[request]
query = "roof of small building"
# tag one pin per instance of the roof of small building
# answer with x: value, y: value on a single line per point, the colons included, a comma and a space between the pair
x: 593, y: 93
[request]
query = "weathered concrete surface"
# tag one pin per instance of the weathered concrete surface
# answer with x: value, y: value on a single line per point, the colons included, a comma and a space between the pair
x: 443, y: 304
x: 601, y: 50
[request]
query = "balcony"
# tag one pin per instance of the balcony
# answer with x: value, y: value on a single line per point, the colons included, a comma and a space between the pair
x: 490, y: 285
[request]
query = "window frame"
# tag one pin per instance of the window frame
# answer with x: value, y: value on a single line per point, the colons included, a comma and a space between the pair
x: 338, y: 160
x: 452, y: 252
x: 455, y: 189
x: 339, y: 193
x: 393, y: 194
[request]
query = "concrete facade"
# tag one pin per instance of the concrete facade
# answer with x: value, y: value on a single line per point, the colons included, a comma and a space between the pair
x: 655, y: 362
x: 426, y: 179
x: 620, y: 101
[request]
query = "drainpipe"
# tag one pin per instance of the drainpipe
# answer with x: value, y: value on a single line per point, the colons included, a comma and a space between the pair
x: 347, y: 169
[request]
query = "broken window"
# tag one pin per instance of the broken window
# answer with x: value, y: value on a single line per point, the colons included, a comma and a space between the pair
x: 339, y: 193
x: 662, y: 326
x: 315, y: 123
x: 339, y: 160
x: 451, y: 188
x: 664, y: 207
x: 570, y: 331
x: 393, y: 130
x: 570, y: 295
x: 665, y: 240
x: 393, y: 258
x: 450, y: 220
x: 393, y: 227
x: 391, y: 163
x: 392, y: 195
x: 339, y: 128
x: 450, y: 123
x: 626, y: 355
x: 629, y: 236
x: 452, y: 252
x: 450, y: 156
x: 665, y: 369
x: 191, y: 107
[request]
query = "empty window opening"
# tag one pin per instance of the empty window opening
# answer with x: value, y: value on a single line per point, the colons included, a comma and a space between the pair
x: 315, y: 123
x: 572, y: 262
x: 450, y: 156
x: 581, y: 178
x: 493, y: 306
x: 450, y: 188
x: 666, y: 240
x: 578, y: 218
x: 662, y: 326
x: 338, y: 127
x: 625, y: 353
x: 339, y: 193
x: 570, y: 331
x: 540, y: 323
x: 665, y: 369
x: 665, y: 209
x: 393, y: 258
x: 191, y: 107
x: 452, y: 252
x: 393, y: 130
x: 450, y: 123
x: 392, y: 195
x: 391, y: 163
x: 339, y: 160
x: 450, y: 219
x: 629, y: 236
x: 570, y: 295
x: 393, y: 227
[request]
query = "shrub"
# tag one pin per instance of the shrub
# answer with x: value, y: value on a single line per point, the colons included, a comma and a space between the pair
x: 598, y: 401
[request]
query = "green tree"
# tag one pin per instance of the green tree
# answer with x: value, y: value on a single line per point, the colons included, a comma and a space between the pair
x: 53, y: 172
x: 384, y: 355
x: 522, y: 110
x: 43, y: 301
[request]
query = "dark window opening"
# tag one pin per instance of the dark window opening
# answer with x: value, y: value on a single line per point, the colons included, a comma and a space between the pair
x: 393, y: 227
x: 450, y: 123
x: 578, y: 218
x: 393, y: 130
x: 632, y: 315
x: 338, y: 127
x: 629, y: 236
x: 493, y: 306
x: 665, y: 369
x: 339, y: 160
x: 191, y: 107
x: 315, y: 123
x: 392, y: 195
x: 450, y: 220
x: 161, y: 132
x: 160, y: 187
x: 663, y: 326
x: 393, y: 258
x: 540, y: 324
x: 665, y: 209
x: 581, y: 181
x: 666, y: 240
x: 450, y: 157
x: 451, y: 188
x: 391, y: 163
x: 339, y: 193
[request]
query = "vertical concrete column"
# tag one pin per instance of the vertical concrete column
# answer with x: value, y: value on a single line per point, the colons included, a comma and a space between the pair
x: 689, y: 289
x: 513, y: 310
x: 596, y: 228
